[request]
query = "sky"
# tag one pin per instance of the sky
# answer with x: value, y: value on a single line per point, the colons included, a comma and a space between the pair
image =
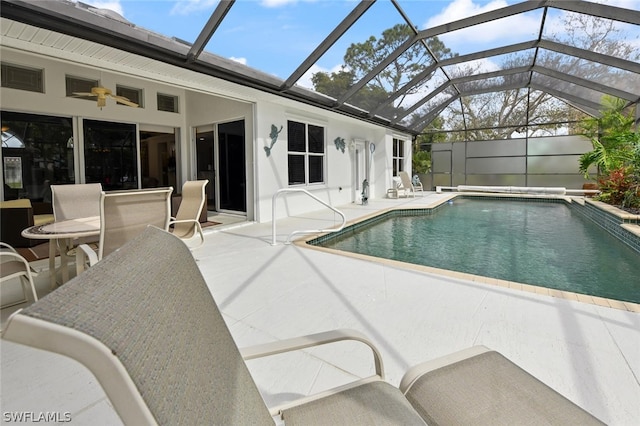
x: 275, y: 36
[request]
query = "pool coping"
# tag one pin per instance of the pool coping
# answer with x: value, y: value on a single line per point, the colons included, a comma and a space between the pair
x: 561, y: 294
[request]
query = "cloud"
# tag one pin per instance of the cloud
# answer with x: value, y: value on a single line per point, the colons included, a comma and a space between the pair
x: 503, y: 30
x: 305, y: 80
x: 276, y: 3
x: 187, y: 7
x: 114, y: 5
x: 242, y: 61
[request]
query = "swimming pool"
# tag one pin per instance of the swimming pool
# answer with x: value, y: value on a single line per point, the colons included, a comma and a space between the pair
x: 538, y: 243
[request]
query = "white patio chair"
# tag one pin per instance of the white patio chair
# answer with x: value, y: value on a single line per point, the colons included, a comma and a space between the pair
x: 186, y: 224
x: 123, y: 215
x: 13, y: 265
x: 143, y: 320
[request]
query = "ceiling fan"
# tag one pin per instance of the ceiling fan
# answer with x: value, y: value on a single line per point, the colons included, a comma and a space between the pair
x: 101, y: 93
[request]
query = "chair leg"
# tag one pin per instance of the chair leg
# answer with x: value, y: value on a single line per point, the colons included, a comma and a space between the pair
x: 31, y: 284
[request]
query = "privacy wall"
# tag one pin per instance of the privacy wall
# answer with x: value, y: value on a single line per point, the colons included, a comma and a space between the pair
x: 546, y: 162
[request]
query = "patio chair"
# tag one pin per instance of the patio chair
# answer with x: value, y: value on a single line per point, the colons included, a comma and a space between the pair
x: 407, y: 186
x: 74, y: 202
x: 144, y: 322
x: 123, y: 215
x: 186, y: 224
x: 13, y: 265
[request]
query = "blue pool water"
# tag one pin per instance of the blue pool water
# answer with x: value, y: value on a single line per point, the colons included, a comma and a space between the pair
x: 537, y: 243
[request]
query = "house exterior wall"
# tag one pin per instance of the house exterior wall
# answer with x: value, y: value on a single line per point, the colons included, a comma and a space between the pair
x: 212, y: 102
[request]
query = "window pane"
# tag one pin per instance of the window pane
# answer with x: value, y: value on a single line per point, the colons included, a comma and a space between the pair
x: 296, y: 136
x: 316, y: 139
x: 110, y: 154
x: 400, y: 164
x: 167, y: 103
x: 316, y: 174
x: 134, y: 95
x: 80, y: 85
x: 22, y: 78
x: 296, y: 169
x: 37, y: 151
x: 395, y: 147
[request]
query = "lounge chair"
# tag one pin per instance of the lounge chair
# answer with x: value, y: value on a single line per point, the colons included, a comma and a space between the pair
x: 186, y: 224
x: 123, y: 215
x: 144, y: 322
x: 407, y: 186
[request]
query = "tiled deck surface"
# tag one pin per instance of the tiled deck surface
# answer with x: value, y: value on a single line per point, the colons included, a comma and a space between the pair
x: 587, y: 352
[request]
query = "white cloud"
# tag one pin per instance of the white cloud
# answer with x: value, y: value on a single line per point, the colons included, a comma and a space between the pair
x: 305, y: 80
x: 522, y: 25
x: 627, y: 4
x: 114, y: 5
x: 186, y: 7
x: 276, y: 3
x: 243, y: 61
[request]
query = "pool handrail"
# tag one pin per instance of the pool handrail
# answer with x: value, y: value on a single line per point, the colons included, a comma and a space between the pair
x: 273, y: 215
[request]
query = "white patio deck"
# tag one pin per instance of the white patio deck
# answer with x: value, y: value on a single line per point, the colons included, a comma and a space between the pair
x: 589, y: 353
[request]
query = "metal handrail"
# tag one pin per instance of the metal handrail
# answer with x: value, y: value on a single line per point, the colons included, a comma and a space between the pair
x: 273, y: 215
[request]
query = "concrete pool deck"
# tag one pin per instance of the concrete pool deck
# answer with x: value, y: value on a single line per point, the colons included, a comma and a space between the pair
x: 587, y: 352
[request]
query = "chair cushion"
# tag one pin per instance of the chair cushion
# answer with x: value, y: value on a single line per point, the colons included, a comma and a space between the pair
x: 375, y: 403
x: 488, y: 389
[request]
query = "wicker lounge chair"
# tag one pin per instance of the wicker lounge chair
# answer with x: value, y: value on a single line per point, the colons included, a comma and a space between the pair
x: 144, y: 322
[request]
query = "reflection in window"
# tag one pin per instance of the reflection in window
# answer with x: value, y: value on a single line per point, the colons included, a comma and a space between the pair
x: 110, y: 154
x: 398, y: 156
x: 306, y: 153
x: 37, y: 151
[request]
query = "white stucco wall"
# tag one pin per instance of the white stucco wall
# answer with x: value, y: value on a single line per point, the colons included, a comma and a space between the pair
x: 205, y: 101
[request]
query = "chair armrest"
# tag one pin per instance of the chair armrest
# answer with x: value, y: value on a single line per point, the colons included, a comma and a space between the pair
x: 311, y: 340
x: 83, y: 253
x: 172, y: 221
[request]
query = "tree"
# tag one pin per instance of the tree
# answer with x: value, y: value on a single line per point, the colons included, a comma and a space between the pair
x: 497, y: 115
x: 361, y: 58
x: 615, y: 144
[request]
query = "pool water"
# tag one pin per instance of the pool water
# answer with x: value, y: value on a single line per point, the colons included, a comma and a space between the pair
x: 537, y: 243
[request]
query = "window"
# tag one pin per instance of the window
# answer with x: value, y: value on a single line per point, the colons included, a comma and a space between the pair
x: 167, y: 103
x: 306, y: 153
x: 110, y: 154
x: 398, y: 156
x: 80, y: 85
x: 134, y: 95
x: 37, y: 151
x: 22, y: 78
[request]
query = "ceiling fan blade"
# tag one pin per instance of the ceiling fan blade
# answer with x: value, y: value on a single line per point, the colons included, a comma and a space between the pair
x: 125, y: 101
x: 83, y: 94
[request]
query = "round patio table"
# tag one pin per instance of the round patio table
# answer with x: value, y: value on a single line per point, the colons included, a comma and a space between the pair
x: 60, y: 235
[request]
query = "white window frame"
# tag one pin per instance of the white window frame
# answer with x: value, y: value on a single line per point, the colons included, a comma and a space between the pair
x: 308, y: 154
x: 398, y: 155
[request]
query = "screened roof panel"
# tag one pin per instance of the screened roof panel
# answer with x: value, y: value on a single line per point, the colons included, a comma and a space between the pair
x: 285, y: 36
x: 424, y: 89
x: 496, y: 33
x: 495, y: 83
x: 600, y: 35
x: 491, y: 63
x: 590, y: 70
x: 410, y: 61
x: 425, y: 106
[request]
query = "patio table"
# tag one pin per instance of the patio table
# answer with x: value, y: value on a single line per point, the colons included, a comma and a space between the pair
x: 60, y: 235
